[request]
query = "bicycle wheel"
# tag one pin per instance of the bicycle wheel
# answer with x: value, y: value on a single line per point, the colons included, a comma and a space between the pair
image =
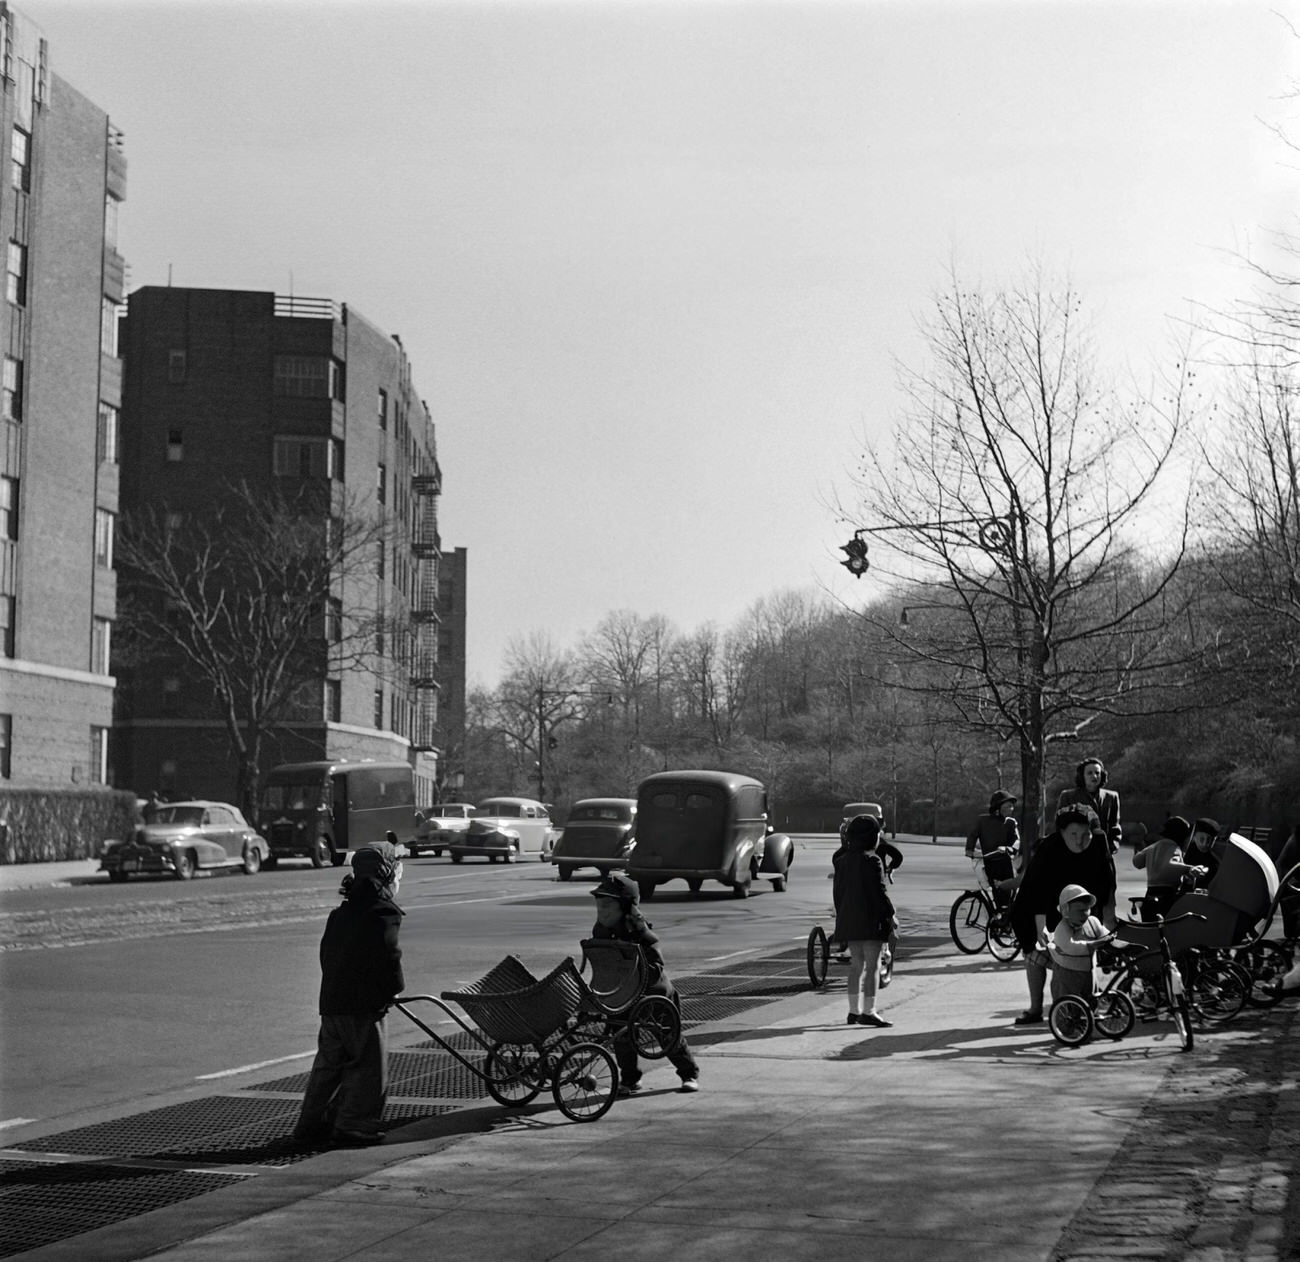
x: 1218, y: 991
x: 968, y: 922
x: 585, y: 1082
x: 1003, y: 943
x: 1113, y: 1014
x: 1070, y: 1020
x: 819, y: 956
x: 513, y: 1074
x: 655, y: 1026
x: 1268, y: 963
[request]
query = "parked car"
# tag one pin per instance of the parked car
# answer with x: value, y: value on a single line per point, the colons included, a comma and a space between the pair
x: 440, y: 822
x: 862, y: 808
x: 598, y: 834
x: 182, y: 837
x: 505, y: 828
x: 702, y: 826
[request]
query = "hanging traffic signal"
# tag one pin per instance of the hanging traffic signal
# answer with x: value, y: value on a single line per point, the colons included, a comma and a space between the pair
x: 856, y: 551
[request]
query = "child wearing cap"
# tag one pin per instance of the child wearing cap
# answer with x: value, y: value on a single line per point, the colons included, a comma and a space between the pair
x: 1165, y: 866
x: 618, y: 916
x: 998, y: 837
x: 1074, y: 944
x: 361, y: 974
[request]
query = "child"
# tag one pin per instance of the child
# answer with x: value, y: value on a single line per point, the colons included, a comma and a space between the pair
x: 619, y: 917
x: 1074, y: 943
x: 998, y: 836
x: 1166, y: 869
x: 361, y: 974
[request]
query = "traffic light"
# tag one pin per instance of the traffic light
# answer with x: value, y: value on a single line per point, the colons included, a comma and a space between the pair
x: 856, y: 551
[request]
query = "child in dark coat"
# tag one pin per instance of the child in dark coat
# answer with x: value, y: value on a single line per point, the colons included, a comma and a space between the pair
x: 864, y: 915
x: 361, y: 974
x: 618, y: 916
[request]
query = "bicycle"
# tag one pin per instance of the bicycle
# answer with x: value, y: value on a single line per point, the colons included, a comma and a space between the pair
x: 1148, y: 977
x: 977, y: 921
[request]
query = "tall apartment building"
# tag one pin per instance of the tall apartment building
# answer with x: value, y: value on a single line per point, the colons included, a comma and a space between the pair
x: 59, y: 403
x: 453, y: 599
x: 231, y: 386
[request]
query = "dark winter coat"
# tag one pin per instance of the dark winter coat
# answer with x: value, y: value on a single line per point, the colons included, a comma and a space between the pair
x: 1054, y: 866
x: 863, y: 911
x: 635, y: 928
x: 360, y: 961
x: 1105, y: 805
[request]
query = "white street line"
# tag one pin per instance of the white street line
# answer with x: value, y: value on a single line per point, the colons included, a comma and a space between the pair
x: 261, y: 1064
x: 16, y: 1121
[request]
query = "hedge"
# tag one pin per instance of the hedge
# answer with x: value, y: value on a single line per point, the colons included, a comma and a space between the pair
x: 54, y: 825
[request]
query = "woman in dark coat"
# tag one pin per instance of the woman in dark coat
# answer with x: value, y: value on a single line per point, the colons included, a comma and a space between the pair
x: 864, y: 916
x: 1077, y: 853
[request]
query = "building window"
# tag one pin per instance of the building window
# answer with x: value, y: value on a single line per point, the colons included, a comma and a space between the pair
x: 108, y: 440
x: 101, y: 635
x: 171, y: 694
x: 178, y: 365
x: 302, y: 458
x: 6, y: 746
x: 383, y: 409
x: 380, y: 567
x: 20, y: 161
x: 381, y: 484
x: 175, y: 446
x: 108, y: 328
x: 104, y: 538
x: 333, y: 701
x: 302, y: 376
x: 16, y: 281
x: 99, y: 755
x: 334, y: 619
x: 8, y: 614
x: 379, y: 707
x: 12, y: 405
x: 336, y: 380
x: 8, y: 508
x: 110, y: 221
x: 336, y: 459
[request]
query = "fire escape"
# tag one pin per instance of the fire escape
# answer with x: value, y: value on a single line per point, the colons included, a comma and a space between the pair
x: 426, y: 545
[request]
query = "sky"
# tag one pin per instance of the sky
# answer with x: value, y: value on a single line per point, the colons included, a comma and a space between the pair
x: 656, y: 263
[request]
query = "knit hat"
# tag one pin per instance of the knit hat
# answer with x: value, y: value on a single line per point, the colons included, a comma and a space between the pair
x: 862, y: 828
x: 617, y: 885
x: 1070, y: 893
x: 379, y: 859
x: 1176, y: 828
x: 999, y: 798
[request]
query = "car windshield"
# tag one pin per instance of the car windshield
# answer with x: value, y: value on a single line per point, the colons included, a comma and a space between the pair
x: 299, y: 795
x: 497, y: 810
x: 179, y: 815
x: 614, y: 814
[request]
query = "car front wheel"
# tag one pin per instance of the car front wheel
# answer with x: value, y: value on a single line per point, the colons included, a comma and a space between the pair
x: 252, y: 860
x: 185, y: 865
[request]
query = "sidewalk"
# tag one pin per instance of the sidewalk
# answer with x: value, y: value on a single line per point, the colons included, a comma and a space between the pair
x: 954, y: 1135
x: 32, y: 876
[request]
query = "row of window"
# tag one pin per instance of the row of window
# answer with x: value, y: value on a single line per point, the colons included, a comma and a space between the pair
x: 98, y: 751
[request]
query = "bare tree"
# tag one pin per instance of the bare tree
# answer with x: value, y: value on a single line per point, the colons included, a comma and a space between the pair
x: 1018, y: 489
x: 261, y: 598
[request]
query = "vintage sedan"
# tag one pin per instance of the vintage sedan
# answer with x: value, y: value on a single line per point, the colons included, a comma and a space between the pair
x: 506, y: 828
x: 182, y: 837
x: 699, y: 826
x: 598, y: 834
x: 441, y: 822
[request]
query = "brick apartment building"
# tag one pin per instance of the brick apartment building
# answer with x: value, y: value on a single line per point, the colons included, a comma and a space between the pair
x: 226, y: 386
x: 58, y: 419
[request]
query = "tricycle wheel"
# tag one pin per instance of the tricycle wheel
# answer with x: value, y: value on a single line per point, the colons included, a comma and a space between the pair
x: 513, y: 1073
x: 819, y: 956
x: 1070, y: 1020
x: 585, y: 1082
x: 655, y: 1026
x: 1114, y: 1014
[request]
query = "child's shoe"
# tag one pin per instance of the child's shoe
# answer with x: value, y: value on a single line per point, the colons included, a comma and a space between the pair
x: 691, y: 1084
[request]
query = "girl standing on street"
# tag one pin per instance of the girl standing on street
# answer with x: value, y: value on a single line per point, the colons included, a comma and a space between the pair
x: 864, y: 915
